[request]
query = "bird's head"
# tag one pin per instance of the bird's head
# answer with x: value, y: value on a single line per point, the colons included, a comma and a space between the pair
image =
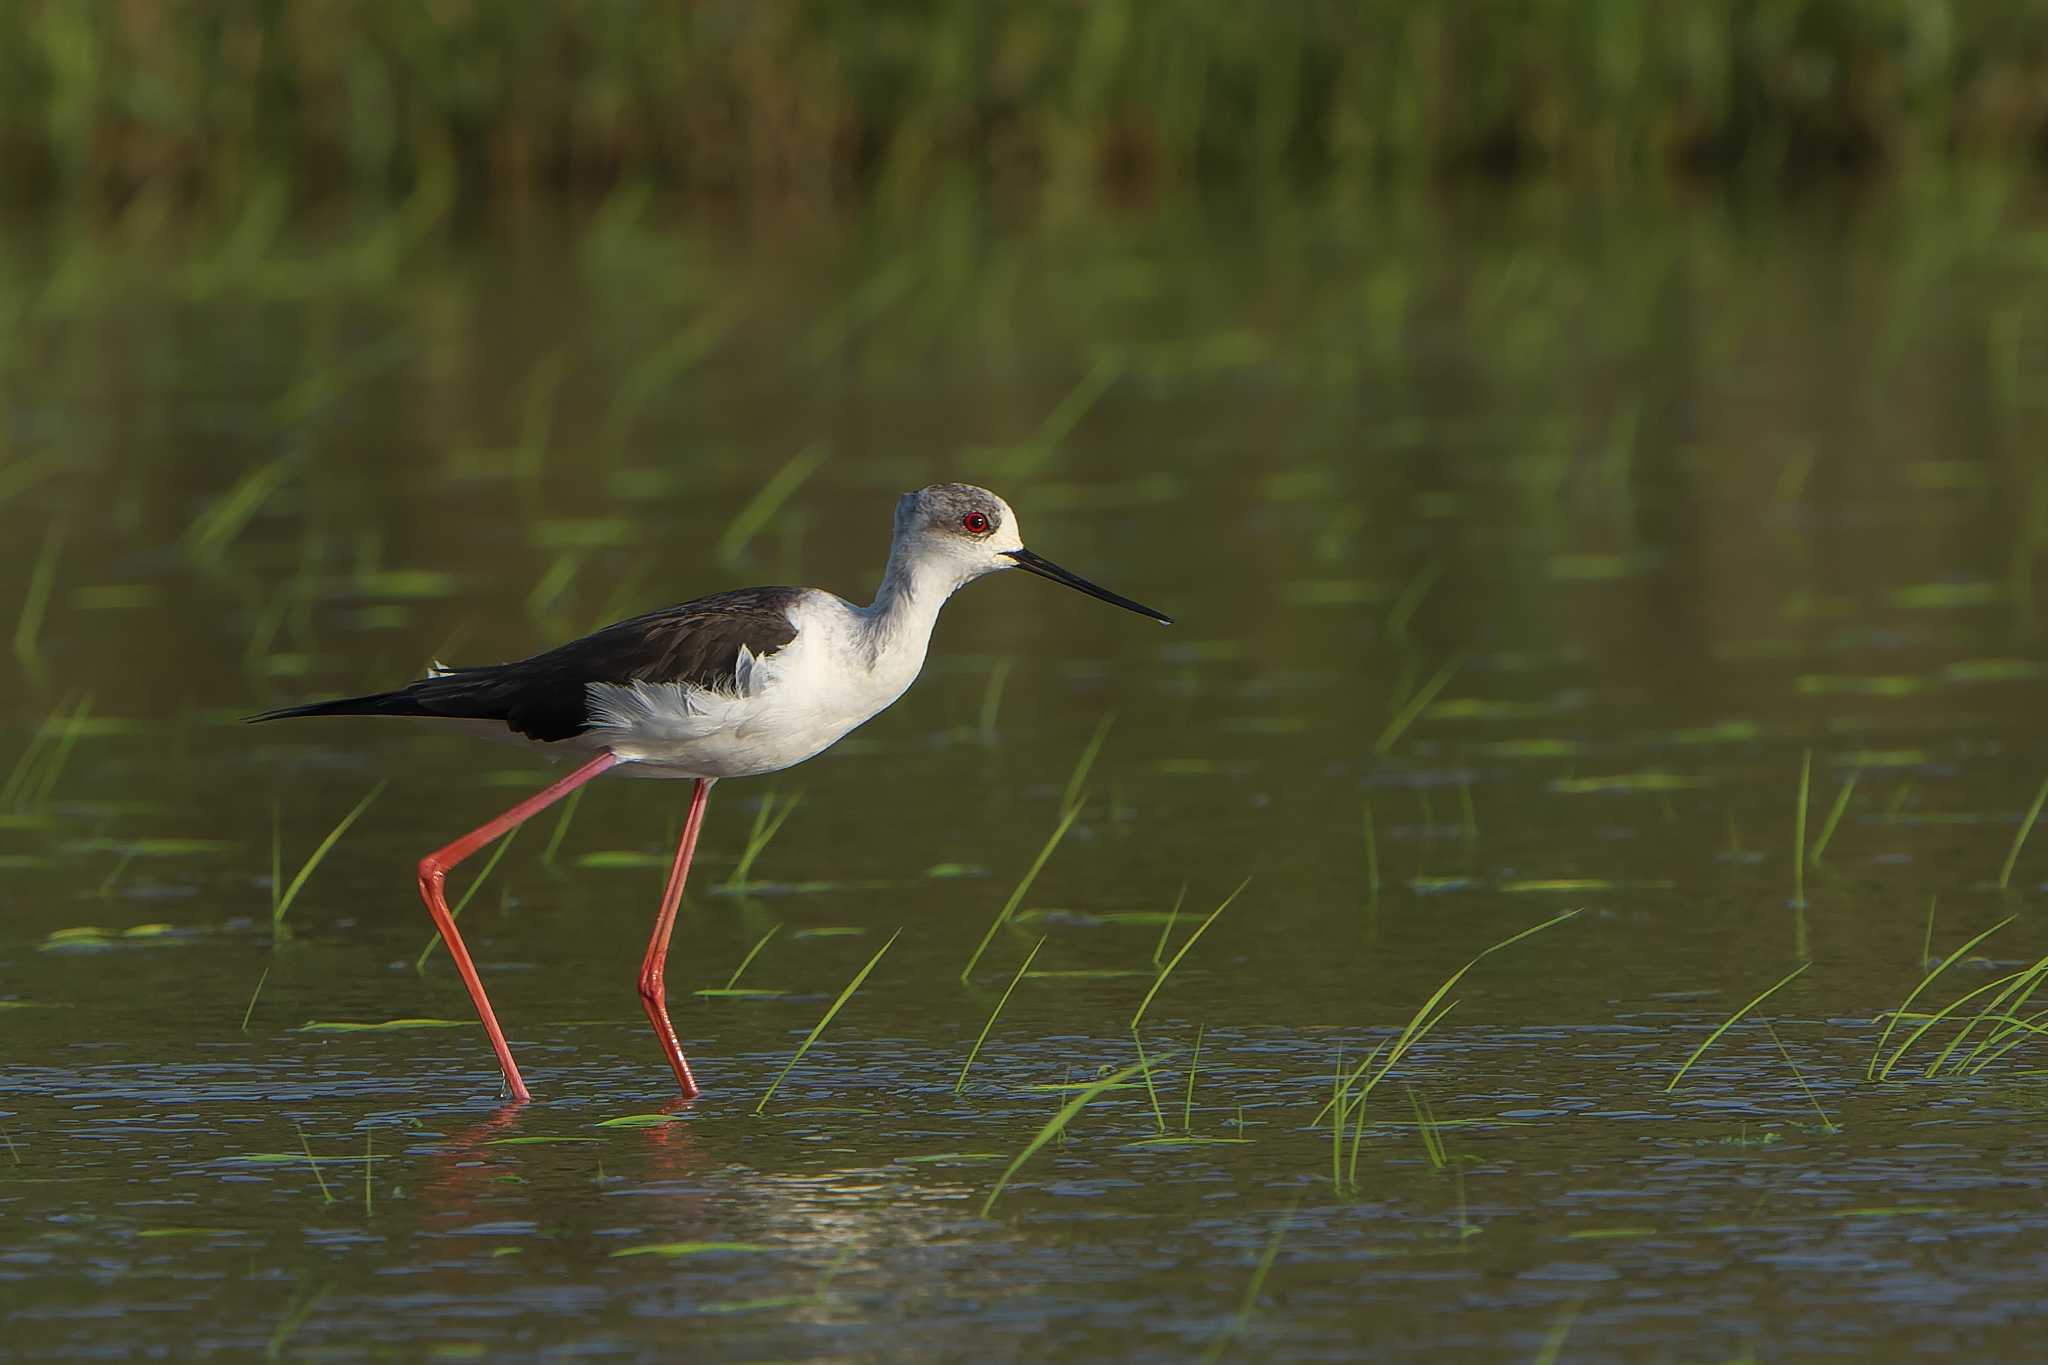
x: 967, y: 531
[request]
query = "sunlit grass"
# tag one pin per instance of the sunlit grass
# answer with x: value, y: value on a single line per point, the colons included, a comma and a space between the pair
x: 819, y: 1028
x: 769, y: 818
x: 2019, y: 838
x: 961, y: 1082
x: 1834, y: 818
x: 1066, y: 822
x: 1731, y: 1021
x: 1905, y: 1009
x: 1427, y: 1015
x: 281, y: 902
x: 1076, y: 780
x: 732, y: 983
x: 1192, y: 939
x: 1057, y: 1124
x: 1799, y: 830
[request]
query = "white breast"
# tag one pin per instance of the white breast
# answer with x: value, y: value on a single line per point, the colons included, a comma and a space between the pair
x: 784, y: 707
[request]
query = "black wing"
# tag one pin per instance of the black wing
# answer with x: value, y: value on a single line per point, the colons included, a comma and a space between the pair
x: 546, y: 697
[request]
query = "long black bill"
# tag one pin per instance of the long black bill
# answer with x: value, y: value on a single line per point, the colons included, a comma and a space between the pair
x: 1045, y: 568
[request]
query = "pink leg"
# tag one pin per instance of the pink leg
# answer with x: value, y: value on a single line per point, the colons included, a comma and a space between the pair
x: 655, y: 965
x: 434, y: 875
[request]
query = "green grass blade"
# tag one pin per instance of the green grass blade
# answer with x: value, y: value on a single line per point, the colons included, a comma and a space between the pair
x: 992, y: 699
x: 561, y: 830
x: 812, y: 1037
x: 1416, y: 705
x: 1172, y: 918
x: 1087, y: 760
x: 2019, y: 838
x: 35, y: 603
x: 768, y: 820
x: 1870, y: 1072
x: 752, y: 953
x: 1067, y: 818
x: 1799, y: 830
x: 1167, y: 970
x: 1151, y: 1090
x: 2003, y: 1005
x: 762, y: 507
x: 994, y: 1014
x: 1927, y: 1024
x: 1187, y: 1110
x: 247, y: 1013
x: 1835, y: 812
x: 1057, y: 1124
x: 1730, y: 1021
x: 1427, y: 1016
x: 291, y: 894
x: 1250, y: 1301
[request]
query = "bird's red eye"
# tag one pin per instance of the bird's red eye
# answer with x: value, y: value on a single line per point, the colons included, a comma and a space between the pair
x: 976, y: 522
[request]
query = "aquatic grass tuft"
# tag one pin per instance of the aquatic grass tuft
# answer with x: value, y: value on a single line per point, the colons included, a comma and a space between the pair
x: 1905, y: 1006
x: 1427, y: 1016
x: 1192, y: 939
x: 2019, y: 838
x: 2004, y: 984
x: 812, y: 1036
x: 994, y: 1014
x: 1730, y: 1022
x: 1056, y: 1126
x: 769, y: 817
x: 1431, y: 1133
x: 281, y: 904
x: 1066, y: 822
x: 419, y: 964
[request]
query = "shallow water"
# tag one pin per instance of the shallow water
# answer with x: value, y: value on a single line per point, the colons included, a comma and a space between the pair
x: 1543, y: 538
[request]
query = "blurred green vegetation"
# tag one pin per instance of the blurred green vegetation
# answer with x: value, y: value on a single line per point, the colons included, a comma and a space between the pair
x: 214, y: 97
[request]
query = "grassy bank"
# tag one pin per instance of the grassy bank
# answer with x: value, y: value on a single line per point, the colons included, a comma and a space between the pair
x: 785, y: 96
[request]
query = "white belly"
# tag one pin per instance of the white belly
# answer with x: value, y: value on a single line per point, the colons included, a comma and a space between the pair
x: 785, y: 708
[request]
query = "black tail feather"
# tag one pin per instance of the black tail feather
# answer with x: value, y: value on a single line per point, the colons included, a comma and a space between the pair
x: 402, y: 703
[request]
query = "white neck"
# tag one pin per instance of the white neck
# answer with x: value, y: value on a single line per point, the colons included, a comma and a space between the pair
x: 906, y: 607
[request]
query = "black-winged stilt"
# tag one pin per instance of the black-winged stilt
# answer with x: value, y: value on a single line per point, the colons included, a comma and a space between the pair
x: 732, y: 685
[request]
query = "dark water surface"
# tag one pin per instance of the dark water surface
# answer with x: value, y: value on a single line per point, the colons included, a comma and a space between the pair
x: 1543, y: 539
